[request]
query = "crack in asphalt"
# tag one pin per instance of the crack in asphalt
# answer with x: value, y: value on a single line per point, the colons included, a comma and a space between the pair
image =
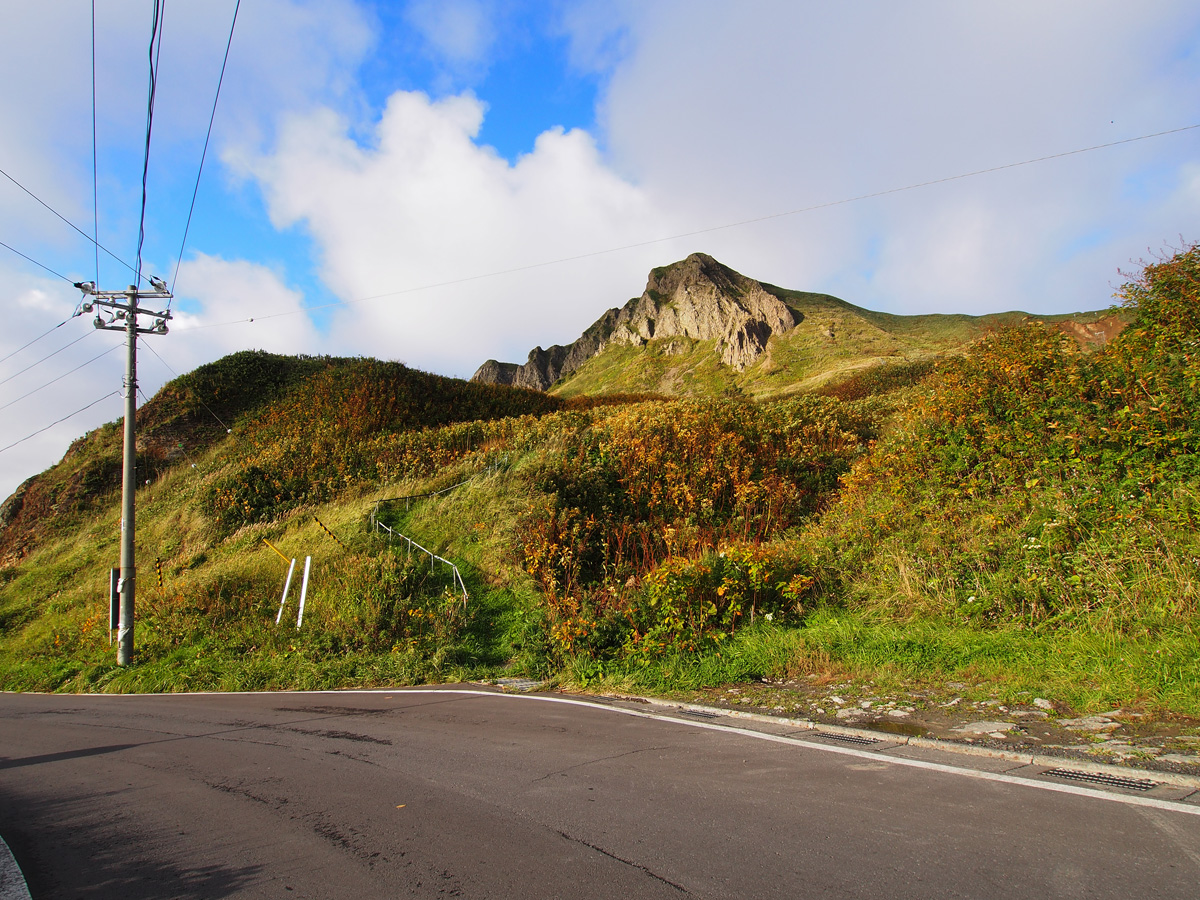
x: 592, y: 762
x: 627, y: 862
x: 342, y: 736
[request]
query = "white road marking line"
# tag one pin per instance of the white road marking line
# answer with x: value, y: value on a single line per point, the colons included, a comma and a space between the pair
x: 875, y: 756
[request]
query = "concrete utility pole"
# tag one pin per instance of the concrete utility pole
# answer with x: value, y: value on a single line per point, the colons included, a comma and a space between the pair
x: 124, y: 306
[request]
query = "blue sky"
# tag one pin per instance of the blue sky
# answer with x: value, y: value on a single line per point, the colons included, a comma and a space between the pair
x: 419, y: 152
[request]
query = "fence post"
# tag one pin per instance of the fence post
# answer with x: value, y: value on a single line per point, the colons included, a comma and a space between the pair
x: 303, y: 592
x: 287, y: 584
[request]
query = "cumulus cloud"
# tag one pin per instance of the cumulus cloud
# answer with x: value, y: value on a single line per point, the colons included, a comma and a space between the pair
x: 424, y: 204
x: 39, y: 348
x: 726, y: 112
x: 459, y: 33
x: 709, y: 114
x: 287, y: 54
x: 64, y: 372
x: 224, y: 296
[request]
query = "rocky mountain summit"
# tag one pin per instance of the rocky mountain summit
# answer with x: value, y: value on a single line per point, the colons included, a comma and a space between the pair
x: 697, y: 298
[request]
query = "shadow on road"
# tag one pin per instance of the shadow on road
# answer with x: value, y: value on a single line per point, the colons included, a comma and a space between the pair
x: 76, y: 846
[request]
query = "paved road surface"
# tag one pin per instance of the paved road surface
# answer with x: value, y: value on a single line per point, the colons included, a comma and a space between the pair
x: 441, y: 794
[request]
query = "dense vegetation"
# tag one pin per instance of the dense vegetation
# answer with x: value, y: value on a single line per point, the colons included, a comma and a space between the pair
x: 1024, y: 513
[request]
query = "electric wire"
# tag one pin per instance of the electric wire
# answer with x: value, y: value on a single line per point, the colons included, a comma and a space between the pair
x: 60, y: 377
x: 59, y: 421
x: 204, y: 153
x: 674, y: 237
x: 34, y: 341
x: 95, y: 166
x: 36, y: 263
x: 71, y: 224
x: 199, y: 400
x: 182, y: 446
x: 44, y: 358
x: 155, y: 54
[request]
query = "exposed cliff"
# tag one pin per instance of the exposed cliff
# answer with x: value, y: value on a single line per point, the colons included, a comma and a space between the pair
x: 697, y: 298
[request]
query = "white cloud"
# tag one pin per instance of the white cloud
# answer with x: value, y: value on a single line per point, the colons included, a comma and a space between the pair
x: 285, y: 55
x: 75, y: 365
x: 460, y: 33
x: 225, y: 295
x: 710, y: 113
x: 725, y: 112
x: 39, y: 347
x: 424, y: 204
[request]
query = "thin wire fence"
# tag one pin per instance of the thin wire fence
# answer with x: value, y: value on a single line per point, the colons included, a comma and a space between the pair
x: 408, y: 500
x: 413, y: 545
x: 434, y: 559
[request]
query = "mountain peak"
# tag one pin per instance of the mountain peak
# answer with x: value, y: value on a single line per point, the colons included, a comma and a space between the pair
x: 697, y: 298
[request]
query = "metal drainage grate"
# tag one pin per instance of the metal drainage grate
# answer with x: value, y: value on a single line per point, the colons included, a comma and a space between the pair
x: 702, y: 713
x: 1133, y: 784
x: 850, y: 738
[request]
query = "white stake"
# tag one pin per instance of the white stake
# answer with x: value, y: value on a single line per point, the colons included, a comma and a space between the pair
x: 287, y: 584
x: 303, y: 592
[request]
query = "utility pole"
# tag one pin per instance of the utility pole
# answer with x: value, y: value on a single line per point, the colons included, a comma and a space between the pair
x: 124, y: 305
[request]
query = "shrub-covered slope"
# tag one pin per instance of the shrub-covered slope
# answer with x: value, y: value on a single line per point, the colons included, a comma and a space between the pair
x: 1023, y: 512
x: 1032, y: 483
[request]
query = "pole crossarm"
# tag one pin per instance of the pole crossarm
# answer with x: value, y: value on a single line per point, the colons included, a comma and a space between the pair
x: 126, y: 303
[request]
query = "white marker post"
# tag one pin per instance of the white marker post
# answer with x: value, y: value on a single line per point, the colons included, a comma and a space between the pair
x: 303, y: 592
x: 286, y: 585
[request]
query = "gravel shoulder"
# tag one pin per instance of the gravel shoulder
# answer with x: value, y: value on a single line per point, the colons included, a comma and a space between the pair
x: 962, y: 714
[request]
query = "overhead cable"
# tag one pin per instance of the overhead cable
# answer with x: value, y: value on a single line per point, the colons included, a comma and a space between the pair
x: 204, y: 153
x: 674, y: 237
x: 95, y: 166
x: 60, y: 377
x: 44, y: 358
x: 36, y: 263
x: 75, y: 227
x: 59, y: 422
x: 199, y: 400
x: 155, y: 54
x: 34, y: 341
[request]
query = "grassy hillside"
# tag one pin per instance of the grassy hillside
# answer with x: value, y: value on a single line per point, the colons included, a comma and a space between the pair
x: 1020, y: 515
x: 835, y: 340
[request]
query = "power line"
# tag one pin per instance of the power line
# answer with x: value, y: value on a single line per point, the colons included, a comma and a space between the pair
x: 204, y: 153
x: 71, y: 224
x: 182, y: 446
x: 59, y: 422
x: 199, y: 399
x: 44, y: 358
x: 95, y: 166
x: 60, y: 377
x: 34, y: 341
x: 708, y: 230
x: 36, y: 263
x: 155, y: 54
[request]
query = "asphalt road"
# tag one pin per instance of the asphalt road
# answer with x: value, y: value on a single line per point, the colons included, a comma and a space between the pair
x: 436, y: 793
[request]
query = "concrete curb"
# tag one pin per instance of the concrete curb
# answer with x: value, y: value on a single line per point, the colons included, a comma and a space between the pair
x: 1025, y: 758
x: 12, y: 882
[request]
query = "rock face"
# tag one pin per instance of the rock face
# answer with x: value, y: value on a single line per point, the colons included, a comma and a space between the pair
x: 492, y: 372
x: 697, y: 298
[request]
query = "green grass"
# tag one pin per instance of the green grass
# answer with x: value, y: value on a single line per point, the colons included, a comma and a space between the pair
x: 1023, y: 520
x: 1087, y: 670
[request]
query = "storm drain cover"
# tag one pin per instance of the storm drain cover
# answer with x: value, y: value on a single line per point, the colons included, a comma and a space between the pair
x: 1133, y: 784
x: 702, y: 713
x: 849, y: 738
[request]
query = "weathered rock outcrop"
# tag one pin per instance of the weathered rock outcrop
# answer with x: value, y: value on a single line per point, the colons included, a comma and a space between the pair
x: 697, y: 298
x: 493, y: 372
